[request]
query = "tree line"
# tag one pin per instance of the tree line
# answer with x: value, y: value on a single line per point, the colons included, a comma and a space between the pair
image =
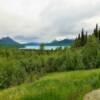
x: 82, y: 38
x: 19, y: 66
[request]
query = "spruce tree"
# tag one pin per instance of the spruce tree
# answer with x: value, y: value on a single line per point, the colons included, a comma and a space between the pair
x: 82, y: 38
x: 96, y: 31
x: 79, y: 37
x: 78, y: 41
x: 86, y: 36
x: 99, y: 34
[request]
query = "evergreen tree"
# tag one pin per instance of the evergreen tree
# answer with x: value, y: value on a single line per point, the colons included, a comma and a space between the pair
x: 86, y: 37
x: 79, y: 37
x: 42, y: 46
x: 99, y: 34
x: 77, y: 41
x: 82, y: 38
x: 96, y: 31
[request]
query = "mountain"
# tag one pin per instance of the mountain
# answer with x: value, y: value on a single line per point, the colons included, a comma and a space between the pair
x: 31, y: 43
x: 53, y: 43
x: 7, y: 41
x: 61, y: 42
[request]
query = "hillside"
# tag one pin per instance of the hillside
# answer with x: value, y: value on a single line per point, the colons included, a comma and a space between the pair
x: 57, y: 86
x: 61, y: 42
x: 54, y: 43
x: 23, y: 70
x: 7, y: 41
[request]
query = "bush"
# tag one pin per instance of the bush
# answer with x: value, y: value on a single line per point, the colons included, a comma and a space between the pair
x: 90, y: 53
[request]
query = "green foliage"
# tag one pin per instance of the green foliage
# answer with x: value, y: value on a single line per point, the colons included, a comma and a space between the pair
x: 90, y: 53
x: 81, y: 40
x: 42, y: 46
x: 18, y: 66
x: 57, y: 86
x: 96, y: 31
x: 99, y: 35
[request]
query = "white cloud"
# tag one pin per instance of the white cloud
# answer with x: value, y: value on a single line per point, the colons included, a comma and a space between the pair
x: 43, y: 20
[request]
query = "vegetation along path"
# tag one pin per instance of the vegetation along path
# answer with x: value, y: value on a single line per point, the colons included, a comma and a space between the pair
x: 56, y: 86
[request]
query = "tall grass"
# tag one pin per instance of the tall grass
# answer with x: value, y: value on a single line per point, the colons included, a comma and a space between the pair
x: 56, y: 86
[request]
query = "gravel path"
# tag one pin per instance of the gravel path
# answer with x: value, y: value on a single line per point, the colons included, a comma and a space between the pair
x: 94, y: 95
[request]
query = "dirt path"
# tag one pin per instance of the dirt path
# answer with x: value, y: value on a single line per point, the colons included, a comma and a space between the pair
x: 94, y: 95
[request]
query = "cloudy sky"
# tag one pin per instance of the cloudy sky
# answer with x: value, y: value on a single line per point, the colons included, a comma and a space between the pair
x: 45, y: 20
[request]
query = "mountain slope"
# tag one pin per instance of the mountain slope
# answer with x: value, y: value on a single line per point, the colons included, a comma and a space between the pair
x: 31, y: 43
x: 61, y: 42
x: 57, y: 86
x: 54, y: 43
x: 7, y: 41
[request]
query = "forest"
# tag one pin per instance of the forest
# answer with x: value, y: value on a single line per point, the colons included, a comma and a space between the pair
x: 19, y: 66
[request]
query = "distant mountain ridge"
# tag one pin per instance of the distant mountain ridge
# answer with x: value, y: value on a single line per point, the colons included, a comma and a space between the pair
x: 31, y: 43
x: 53, y: 43
x: 61, y: 42
x: 7, y: 41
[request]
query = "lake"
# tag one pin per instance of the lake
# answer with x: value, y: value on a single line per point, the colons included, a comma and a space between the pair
x: 46, y: 47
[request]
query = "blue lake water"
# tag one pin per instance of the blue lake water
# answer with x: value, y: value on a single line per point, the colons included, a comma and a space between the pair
x: 46, y: 47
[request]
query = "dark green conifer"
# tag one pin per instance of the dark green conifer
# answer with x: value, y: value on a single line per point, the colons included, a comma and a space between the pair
x: 96, y: 31
x: 79, y: 37
x: 86, y: 37
x: 99, y: 34
x: 82, y: 38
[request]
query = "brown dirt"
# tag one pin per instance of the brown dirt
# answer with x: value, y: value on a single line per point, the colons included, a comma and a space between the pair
x: 94, y: 95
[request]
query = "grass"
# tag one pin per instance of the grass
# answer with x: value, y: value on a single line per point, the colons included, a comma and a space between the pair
x: 56, y: 86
